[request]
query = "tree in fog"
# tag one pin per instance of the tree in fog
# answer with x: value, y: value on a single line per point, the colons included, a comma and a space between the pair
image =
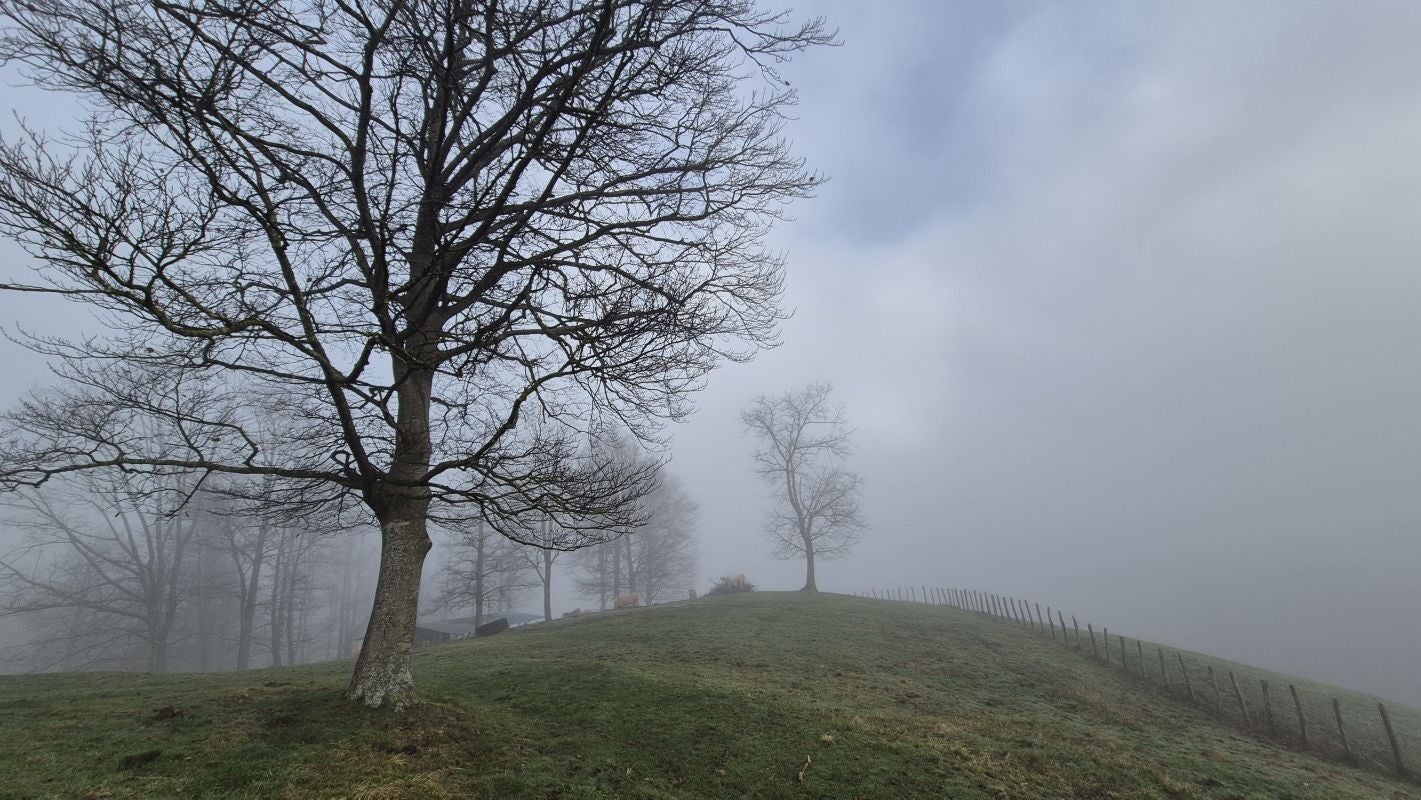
x: 484, y: 570
x: 658, y: 561
x: 448, y: 237
x: 666, y: 551
x: 289, y: 591
x: 540, y: 557
x: 246, y: 542
x: 102, y: 567
x: 802, y: 441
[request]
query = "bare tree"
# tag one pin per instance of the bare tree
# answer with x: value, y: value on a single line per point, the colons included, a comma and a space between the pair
x: 803, y: 440
x: 657, y: 561
x: 348, y: 590
x: 666, y: 551
x: 419, y: 226
x: 484, y: 569
x: 540, y: 558
x: 112, y: 548
x: 246, y: 541
x: 288, y: 590
x: 592, y: 574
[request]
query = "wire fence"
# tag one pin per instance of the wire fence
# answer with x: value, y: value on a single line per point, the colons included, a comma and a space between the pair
x: 1347, y: 726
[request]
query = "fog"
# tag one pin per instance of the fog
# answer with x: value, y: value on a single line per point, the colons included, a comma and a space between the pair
x: 1120, y: 301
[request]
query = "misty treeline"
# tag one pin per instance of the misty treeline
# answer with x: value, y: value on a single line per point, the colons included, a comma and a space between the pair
x: 121, y: 571
x: 171, y: 572
x: 485, y: 571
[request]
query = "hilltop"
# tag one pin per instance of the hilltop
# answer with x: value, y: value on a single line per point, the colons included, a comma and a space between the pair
x: 769, y: 695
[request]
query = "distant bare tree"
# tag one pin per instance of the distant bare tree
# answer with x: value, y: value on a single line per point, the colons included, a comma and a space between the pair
x: 246, y: 541
x: 657, y: 561
x: 289, y: 590
x: 803, y: 440
x: 592, y: 573
x: 109, y: 547
x: 419, y: 225
x: 666, y: 550
x: 485, y: 569
x: 540, y: 558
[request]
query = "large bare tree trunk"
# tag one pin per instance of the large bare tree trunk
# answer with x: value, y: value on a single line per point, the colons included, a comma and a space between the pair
x: 382, y: 672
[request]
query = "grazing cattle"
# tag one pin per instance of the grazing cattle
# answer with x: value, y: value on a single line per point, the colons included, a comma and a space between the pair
x: 627, y: 601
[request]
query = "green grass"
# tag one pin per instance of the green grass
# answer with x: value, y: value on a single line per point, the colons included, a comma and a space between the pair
x: 724, y: 697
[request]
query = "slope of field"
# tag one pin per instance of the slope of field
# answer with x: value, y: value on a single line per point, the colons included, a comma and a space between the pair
x: 765, y: 695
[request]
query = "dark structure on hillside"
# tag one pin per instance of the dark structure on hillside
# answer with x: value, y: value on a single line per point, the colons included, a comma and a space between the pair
x: 425, y: 636
x: 428, y: 633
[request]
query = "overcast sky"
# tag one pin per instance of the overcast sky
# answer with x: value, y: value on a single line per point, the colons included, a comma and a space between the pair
x: 1121, y: 298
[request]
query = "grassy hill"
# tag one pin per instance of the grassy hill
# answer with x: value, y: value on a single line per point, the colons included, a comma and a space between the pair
x: 764, y: 695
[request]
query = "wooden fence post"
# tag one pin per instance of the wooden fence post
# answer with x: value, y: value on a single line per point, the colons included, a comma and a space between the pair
x: 1163, y: 675
x: 1218, y: 695
x: 1038, y: 615
x: 1242, y: 706
x: 1391, y: 737
x: 1051, y: 624
x: 1298, y: 706
x: 1107, y: 646
x: 1184, y: 670
x: 1140, y: 654
x: 1077, y: 626
x: 1093, y: 652
x: 1015, y: 617
x: 1124, y: 665
x: 1341, y: 731
x: 1268, y: 707
x: 1062, y: 619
